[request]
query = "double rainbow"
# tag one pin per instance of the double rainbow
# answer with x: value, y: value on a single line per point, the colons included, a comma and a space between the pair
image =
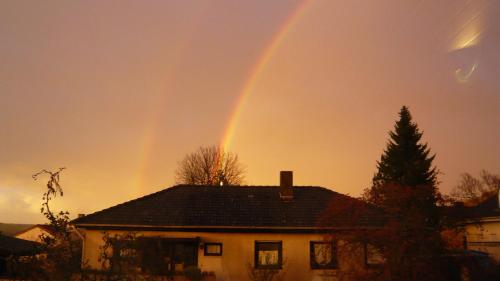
x: 257, y: 71
x: 254, y: 76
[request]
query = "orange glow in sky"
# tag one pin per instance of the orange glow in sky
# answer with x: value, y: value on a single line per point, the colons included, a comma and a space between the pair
x: 119, y: 92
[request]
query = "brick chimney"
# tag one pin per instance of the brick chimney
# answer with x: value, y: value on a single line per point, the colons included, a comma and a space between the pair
x: 286, y: 185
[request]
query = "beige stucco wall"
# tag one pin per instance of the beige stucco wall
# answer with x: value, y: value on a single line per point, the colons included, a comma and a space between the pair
x: 33, y: 234
x: 485, y: 236
x: 238, y: 252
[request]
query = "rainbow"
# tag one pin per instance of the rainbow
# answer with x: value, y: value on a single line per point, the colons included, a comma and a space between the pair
x: 257, y: 71
x: 146, y: 145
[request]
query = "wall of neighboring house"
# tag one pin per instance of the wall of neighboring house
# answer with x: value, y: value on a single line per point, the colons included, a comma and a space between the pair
x: 33, y: 234
x: 238, y: 253
x: 485, y: 236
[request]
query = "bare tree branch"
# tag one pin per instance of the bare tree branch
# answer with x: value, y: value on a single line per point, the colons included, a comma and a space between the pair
x: 472, y: 190
x: 210, y: 166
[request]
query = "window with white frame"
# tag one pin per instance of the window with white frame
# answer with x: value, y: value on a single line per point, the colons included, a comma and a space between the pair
x: 268, y: 254
x: 213, y: 249
x: 323, y: 254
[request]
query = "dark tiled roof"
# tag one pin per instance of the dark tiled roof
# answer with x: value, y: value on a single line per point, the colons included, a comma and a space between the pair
x: 488, y: 208
x: 48, y: 228
x: 15, y: 246
x: 238, y: 206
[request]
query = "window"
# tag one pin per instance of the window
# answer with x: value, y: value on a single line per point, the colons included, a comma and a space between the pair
x: 323, y: 255
x: 125, y: 255
x: 155, y: 255
x: 268, y: 254
x: 373, y: 257
x: 213, y: 249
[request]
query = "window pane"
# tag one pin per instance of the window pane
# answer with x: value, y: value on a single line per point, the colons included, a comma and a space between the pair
x: 268, y: 246
x: 128, y: 253
x: 268, y: 257
x: 160, y: 256
x: 214, y: 249
x: 185, y: 253
x: 323, y: 253
x: 268, y: 254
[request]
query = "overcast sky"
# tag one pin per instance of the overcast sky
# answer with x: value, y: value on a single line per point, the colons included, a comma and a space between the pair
x: 119, y: 91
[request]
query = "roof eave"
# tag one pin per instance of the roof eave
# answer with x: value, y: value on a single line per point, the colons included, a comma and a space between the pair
x: 209, y: 228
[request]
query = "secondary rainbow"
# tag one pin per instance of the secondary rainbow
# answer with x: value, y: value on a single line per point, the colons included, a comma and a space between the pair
x: 149, y: 136
x: 258, y: 70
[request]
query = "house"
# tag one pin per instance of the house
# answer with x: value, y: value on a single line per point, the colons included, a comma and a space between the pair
x: 35, y: 232
x: 483, y: 227
x: 228, y: 230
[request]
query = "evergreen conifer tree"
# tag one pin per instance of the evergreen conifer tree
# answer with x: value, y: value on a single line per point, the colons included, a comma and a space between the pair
x: 405, y: 161
x: 405, y: 188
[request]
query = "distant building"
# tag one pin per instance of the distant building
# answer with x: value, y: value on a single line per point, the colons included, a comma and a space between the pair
x: 35, y: 232
x: 226, y: 230
x: 483, y: 230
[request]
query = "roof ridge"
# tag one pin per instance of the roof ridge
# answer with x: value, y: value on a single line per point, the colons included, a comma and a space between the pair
x: 250, y: 186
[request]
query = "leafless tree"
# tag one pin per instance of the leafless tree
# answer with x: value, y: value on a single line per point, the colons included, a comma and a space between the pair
x: 59, y: 254
x: 473, y: 190
x: 210, y: 166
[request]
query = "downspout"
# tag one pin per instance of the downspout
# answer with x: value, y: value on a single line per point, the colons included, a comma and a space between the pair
x: 73, y: 228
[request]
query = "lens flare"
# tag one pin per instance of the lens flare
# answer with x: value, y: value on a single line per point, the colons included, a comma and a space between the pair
x: 464, y: 76
x: 468, y: 26
x: 470, y: 39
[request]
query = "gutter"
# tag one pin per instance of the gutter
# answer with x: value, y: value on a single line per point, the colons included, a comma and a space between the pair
x: 233, y: 229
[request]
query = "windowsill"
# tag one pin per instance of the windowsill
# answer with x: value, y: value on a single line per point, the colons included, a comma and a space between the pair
x: 328, y: 272
x: 269, y: 267
x: 325, y: 268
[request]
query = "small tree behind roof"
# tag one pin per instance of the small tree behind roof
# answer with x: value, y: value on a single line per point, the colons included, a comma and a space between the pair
x: 210, y: 165
x: 473, y: 190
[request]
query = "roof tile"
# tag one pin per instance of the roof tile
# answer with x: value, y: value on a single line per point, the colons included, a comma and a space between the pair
x: 240, y: 206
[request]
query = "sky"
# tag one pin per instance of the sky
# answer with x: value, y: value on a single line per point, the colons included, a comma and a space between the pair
x: 119, y: 91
